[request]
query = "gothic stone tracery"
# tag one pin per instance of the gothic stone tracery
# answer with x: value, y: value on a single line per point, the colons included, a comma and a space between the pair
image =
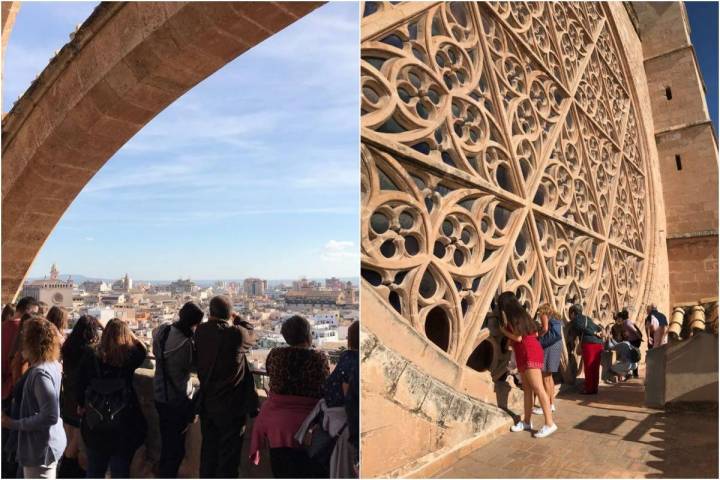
x: 501, y: 150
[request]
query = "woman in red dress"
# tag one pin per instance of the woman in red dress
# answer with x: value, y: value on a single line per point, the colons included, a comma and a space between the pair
x: 517, y: 325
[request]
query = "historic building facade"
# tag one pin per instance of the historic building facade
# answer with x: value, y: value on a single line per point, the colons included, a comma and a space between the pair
x: 505, y: 146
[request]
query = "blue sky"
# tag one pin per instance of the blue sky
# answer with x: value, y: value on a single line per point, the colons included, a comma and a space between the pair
x: 703, y: 18
x: 254, y: 172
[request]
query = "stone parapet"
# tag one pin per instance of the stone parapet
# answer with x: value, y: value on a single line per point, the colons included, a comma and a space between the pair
x: 144, y: 464
x: 413, y: 418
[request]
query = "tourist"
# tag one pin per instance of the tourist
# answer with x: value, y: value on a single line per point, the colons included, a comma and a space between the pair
x: 632, y: 333
x: 40, y: 438
x: 82, y: 339
x: 58, y: 316
x: 591, y: 338
x: 10, y: 341
x: 626, y: 360
x: 551, y: 341
x: 9, y: 333
x: 336, y: 389
x: 656, y: 325
x: 173, y: 390
x: 517, y: 325
x: 297, y: 374
x: 8, y: 312
x: 42, y: 308
x: 113, y: 426
x: 227, y: 389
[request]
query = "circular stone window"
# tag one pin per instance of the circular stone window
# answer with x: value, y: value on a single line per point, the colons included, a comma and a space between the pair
x: 58, y: 298
x: 538, y: 185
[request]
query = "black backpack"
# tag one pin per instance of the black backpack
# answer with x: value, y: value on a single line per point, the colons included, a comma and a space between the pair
x: 107, y: 405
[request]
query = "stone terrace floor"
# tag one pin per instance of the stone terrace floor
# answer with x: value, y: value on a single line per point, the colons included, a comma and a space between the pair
x: 606, y: 435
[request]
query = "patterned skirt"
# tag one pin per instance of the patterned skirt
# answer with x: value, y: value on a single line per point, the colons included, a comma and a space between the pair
x: 552, y: 356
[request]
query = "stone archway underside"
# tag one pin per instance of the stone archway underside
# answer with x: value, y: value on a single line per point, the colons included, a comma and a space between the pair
x: 124, y: 65
x: 501, y: 150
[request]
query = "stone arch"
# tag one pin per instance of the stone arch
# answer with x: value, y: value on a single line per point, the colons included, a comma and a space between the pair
x: 124, y: 65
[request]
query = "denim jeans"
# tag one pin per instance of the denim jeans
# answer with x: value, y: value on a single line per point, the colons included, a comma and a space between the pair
x: 99, y: 460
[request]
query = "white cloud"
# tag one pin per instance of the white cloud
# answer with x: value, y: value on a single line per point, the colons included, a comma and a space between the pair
x: 339, y: 250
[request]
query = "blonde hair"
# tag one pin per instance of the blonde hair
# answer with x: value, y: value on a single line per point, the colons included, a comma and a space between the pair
x: 547, y: 309
x: 40, y: 341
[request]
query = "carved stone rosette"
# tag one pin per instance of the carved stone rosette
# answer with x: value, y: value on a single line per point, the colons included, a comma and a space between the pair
x: 501, y: 150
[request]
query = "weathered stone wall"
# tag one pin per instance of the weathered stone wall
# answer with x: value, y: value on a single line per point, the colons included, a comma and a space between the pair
x: 693, y: 268
x: 684, y: 372
x: 687, y: 147
x: 416, y: 400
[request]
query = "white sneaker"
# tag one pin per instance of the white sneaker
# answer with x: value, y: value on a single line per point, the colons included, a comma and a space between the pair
x: 521, y: 426
x: 538, y: 410
x: 546, y: 431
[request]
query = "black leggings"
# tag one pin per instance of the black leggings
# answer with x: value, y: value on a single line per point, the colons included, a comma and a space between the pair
x: 294, y: 463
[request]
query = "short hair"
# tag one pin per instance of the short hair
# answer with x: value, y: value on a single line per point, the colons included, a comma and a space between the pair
x: 623, y: 314
x: 42, y: 306
x: 220, y: 307
x: 41, y: 342
x: 353, y: 336
x: 58, y: 316
x: 25, y: 304
x: 296, y: 331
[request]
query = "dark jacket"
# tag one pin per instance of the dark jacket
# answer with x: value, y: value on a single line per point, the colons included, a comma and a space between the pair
x: 220, y: 343
x: 586, y: 328
x: 135, y: 428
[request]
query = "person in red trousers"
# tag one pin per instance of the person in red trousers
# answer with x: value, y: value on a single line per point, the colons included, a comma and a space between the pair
x: 591, y: 340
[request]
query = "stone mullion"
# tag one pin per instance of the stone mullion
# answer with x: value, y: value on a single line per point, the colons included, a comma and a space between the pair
x: 545, y: 273
x: 555, y: 38
x: 596, y: 285
x: 555, y: 135
x: 523, y: 44
x: 498, y: 100
x: 389, y: 20
x: 625, y: 248
x: 560, y: 219
x: 614, y: 186
x: 381, y: 142
x: 475, y: 325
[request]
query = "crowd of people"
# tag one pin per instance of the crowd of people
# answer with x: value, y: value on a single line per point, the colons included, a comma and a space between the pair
x: 59, y: 394
x: 537, y: 346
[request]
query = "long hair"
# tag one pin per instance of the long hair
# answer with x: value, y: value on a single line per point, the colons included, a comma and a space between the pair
x: 40, y: 342
x: 519, y: 319
x: 86, y: 332
x: 8, y: 312
x: 58, y: 316
x: 116, y: 343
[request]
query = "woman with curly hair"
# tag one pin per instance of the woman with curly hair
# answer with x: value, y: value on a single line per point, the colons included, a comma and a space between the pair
x: 41, y: 438
x: 517, y: 325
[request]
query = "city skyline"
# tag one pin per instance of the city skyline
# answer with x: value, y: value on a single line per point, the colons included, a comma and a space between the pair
x: 254, y: 169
